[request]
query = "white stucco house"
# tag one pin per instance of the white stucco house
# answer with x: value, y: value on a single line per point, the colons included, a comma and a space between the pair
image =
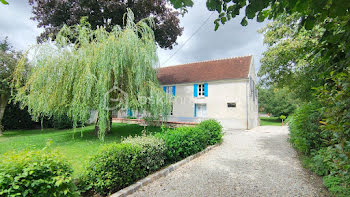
x: 221, y: 89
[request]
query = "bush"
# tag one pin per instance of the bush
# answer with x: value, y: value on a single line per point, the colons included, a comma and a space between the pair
x: 39, y: 173
x: 153, y: 152
x: 16, y: 118
x: 214, y: 128
x: 184, y: 141
x: 305, y: 134
x: 116, y: 166
x: 337, y: 185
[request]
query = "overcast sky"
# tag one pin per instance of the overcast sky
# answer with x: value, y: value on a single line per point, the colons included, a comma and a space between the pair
x: 230, y: 40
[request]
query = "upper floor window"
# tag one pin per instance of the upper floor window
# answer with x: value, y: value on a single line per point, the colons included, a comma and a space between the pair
x: 170, y: 90
x: 201, y: 90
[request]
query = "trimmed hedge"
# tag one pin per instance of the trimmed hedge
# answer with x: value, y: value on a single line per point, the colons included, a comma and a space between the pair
x: 35, y: 173
x: 116, y: 166
x: 214, y: 129
x: 185, y: 141
x: 153, y: 152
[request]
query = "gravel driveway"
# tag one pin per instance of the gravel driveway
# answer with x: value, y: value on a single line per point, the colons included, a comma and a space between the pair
x: 258, y: 162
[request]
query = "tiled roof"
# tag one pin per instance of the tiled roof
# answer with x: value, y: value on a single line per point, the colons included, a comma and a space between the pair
x: 232, y: 68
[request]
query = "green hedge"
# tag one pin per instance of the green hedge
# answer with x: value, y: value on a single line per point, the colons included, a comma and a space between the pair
x: 185, y: 141
x: 35, y: 173
x: 320, y: 152
x: 305, y: 132
x: 116, y: 166
x: 16, y: 118
x: 214, y: 129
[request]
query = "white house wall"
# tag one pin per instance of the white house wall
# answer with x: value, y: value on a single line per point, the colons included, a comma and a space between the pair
x: 219, y: 94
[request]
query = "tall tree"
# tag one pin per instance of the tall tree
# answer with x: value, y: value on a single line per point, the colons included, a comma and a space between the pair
x: 53, y: 14
x: 101, y: 71
x: 8, y: 61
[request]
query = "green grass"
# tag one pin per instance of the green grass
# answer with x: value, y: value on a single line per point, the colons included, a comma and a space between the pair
x: 270, y: 121
x: 76, y: 148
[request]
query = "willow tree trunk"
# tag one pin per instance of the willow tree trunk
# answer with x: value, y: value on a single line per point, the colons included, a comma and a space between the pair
x: 97, y: 129
x: 3, y: 103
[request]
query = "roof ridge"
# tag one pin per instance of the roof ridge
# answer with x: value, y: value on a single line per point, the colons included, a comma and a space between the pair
x: 204, y: 61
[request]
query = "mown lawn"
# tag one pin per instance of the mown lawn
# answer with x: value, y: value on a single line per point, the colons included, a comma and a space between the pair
x: 76, y: 148
x: 270, y: 121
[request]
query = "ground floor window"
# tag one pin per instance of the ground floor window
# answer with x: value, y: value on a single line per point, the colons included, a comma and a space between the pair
x: 200, y: 110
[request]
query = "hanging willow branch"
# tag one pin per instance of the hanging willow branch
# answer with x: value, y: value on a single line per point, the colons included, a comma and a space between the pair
x: 99, y: 71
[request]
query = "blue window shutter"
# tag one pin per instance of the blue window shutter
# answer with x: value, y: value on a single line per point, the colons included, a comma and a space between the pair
x: 206, y: 90
x: 164, y: 88
x: 195, y: 90
x: 174, y: 91
x: 129, y: 112
x: 195, y: 110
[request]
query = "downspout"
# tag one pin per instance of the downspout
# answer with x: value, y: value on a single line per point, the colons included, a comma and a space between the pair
x: 247, y: 103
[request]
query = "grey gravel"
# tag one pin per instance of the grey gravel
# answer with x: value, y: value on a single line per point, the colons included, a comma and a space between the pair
x: 258, y: 162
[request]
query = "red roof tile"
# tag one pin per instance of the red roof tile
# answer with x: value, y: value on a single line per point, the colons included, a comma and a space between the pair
x: 233, y: 68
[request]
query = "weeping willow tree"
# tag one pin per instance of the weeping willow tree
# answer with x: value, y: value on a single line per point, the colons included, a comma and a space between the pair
x: 84, y: 70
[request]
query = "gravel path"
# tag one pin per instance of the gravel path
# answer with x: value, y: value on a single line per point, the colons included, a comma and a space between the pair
x: 259, y: 162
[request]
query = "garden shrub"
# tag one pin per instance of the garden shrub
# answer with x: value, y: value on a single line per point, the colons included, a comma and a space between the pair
x: 35, y: 173
x: 184, y: 141
x: 153, y: 152
x: 337, y: 185
x: 214, y: 128
x: 305, y: 134
x: 116, y: 166
x: 16, y: 118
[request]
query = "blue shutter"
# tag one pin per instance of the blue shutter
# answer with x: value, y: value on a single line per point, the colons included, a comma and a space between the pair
x: 195, y: 110
x: 164, y: 88
x: 195, y: 90
x: 129, y: 112
x: 174, y: 91
x: 206, y: 90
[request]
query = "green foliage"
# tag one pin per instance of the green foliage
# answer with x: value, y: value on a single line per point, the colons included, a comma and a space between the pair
x: 282, y: 117
x: 116, y: 166
x: 334, y: 97
x: 276, y: 101
x: 184, y: 141
x: 214, y: 128
x: 338, y: 186
x: 39, y: 173
x: 305, y: 134
x: 15, y: 118
x: 4, y: 2
x: 153, y: 151
x: 52, y: 15
x: 101, y: 71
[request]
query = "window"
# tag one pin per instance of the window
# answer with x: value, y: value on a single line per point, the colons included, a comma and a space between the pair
x: 169, y: 90
x: 231, y: 105
x: 201, y: 89
x: 200, y: 110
